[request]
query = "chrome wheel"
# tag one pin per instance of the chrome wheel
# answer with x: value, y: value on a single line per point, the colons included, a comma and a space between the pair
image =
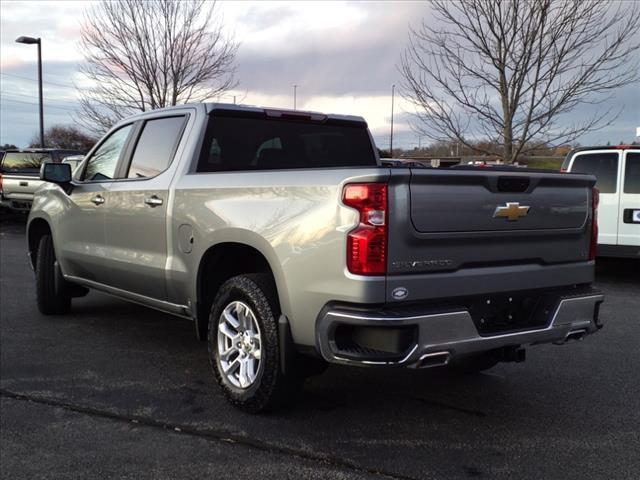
x: 239, y: 344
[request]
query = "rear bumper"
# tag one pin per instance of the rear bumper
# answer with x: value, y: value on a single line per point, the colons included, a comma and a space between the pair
x: 619, y: 251
x: 443, y: 335
x: 17, y: 202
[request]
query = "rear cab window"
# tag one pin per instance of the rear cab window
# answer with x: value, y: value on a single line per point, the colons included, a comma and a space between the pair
x: 246, y: 141
x: 604, y: 165
x: 24, y: 162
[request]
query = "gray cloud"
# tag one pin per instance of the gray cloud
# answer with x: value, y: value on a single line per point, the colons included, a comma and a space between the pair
x: 357, y: 60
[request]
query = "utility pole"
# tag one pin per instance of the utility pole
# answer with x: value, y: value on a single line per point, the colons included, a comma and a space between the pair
x: 393, y: 91
x: 234, y: 99
x: 295, y: 88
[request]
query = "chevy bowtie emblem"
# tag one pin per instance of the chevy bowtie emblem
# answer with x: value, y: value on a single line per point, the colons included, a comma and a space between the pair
x: 512, y: 211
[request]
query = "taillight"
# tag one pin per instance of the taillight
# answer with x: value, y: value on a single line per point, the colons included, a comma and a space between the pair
x: 595, y: 200
x: 367, y: 243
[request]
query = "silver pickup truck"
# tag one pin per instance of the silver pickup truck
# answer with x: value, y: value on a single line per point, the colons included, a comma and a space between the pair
x: 289, y: 246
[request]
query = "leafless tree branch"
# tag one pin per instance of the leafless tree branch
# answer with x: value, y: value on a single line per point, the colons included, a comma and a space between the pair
x: 142, y: 55
x: 507, y: 71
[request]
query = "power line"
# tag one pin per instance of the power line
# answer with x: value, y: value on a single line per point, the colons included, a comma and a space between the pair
x: 58, y: 100
x: 34, y: 80
x: 32, y: 103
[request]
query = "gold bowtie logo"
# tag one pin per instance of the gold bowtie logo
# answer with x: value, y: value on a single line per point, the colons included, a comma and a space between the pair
x: 512, y: 211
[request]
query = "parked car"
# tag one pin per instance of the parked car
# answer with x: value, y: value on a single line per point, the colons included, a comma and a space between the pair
x: 19, y: 174
x: 289, y: 246
x: 403, y: 162
x: 617, y: 170
x: 74, y: 161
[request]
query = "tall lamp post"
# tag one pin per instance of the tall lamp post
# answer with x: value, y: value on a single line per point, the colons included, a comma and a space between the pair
x: 393, y: 91
x: 31, y: 41
x: 295, y: 91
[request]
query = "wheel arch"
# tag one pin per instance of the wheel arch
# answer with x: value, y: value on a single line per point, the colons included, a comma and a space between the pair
x: 36, y: 229
x: 221, y: 262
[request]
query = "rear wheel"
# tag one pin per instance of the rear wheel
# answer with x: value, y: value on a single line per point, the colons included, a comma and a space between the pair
x: 49, y: 301
x: 243, y: 345
x: 474, y: 363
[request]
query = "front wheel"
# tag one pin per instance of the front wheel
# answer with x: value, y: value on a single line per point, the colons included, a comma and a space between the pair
x: 49, y: 301
x: 243, y: 345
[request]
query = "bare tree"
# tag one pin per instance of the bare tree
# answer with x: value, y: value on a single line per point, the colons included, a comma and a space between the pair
x: 142, y: 55
x: 507, y: 71
x: 65, y: 137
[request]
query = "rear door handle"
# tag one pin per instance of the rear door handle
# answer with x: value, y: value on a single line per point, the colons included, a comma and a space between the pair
x: 153, y: 201
x: 98, y: 200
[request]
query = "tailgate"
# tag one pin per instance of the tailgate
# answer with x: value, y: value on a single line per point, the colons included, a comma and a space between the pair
x: 20, y: 187
x: 450, y: 220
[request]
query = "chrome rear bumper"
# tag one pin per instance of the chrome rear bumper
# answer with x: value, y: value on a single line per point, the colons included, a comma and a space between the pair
x: 442, y: 336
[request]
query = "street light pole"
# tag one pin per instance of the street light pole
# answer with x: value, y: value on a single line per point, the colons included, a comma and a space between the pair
x: 31, y: 41
x: 393, y: 90
x: 41, y: 101
x: 295, y: 88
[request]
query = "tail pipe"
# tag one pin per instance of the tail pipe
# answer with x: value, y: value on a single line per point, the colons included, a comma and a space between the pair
x: 435, y: 359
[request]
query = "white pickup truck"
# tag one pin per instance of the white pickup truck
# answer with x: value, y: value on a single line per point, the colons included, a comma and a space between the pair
x: 617, y: 170
x: 19, y: 174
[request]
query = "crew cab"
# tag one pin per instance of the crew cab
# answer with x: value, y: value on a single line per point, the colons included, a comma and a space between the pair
x: 289, y: 246
x: 617, y: 172
x: 19, y: 174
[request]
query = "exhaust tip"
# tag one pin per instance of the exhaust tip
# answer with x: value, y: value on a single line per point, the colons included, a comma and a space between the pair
x: 435, y: 359
x: 575, y: 335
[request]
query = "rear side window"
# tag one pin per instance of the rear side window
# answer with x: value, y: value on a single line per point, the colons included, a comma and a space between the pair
x: 156, y: 147
x: 632, y: 173
x: 603, y: 165
x: 261, y: 143
x: 24, y: 161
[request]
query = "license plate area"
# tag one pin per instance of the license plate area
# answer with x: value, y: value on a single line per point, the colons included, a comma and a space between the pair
x: 511, y: 312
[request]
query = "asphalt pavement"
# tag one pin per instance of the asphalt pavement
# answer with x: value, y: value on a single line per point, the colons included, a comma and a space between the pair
x: 117, y: 390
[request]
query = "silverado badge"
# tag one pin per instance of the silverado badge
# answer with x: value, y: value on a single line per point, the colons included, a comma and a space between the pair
x: 513, y: 211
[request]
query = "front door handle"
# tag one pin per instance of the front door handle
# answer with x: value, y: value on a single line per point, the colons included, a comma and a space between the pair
x: 98, y: 199
x: 153, y: 201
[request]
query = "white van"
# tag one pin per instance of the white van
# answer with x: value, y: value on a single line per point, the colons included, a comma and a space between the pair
x: 617, y: 170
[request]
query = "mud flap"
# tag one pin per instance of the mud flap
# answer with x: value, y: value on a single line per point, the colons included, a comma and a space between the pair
x: 62, y: 287
x: 285, y: 340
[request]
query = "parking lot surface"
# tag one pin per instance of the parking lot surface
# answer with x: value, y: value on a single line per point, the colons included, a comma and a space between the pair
x: 117, y: 390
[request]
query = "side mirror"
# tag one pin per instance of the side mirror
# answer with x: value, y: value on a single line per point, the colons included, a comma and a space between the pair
x: 58, y: 173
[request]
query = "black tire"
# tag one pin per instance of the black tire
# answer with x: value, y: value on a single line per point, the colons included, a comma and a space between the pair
x: 49, y: 302
x: 270, y: 389
x: 474, y: 363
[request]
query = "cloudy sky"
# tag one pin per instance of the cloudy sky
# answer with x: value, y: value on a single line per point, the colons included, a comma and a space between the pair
x: 343, y: 57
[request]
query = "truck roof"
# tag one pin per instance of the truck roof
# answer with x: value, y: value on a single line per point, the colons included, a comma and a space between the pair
x: 211, y: 106
x: 603, y: 147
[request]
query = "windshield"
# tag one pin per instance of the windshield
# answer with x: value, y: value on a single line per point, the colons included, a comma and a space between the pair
x: 24, y: 161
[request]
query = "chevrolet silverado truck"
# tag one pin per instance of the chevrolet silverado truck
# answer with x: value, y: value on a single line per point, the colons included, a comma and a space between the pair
x: 19, y: 174
x: 289, y: 246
